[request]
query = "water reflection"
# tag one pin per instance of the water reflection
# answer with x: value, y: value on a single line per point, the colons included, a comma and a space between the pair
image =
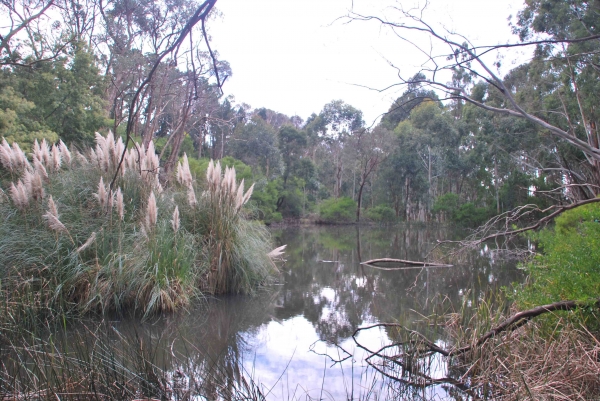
x: 289, y: 336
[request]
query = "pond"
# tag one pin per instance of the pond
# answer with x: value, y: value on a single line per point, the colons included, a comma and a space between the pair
x: 287, y: 341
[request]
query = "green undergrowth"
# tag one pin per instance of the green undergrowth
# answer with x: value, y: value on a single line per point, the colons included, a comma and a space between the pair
x: 567, y: 266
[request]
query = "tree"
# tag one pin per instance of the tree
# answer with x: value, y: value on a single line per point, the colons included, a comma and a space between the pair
x: 368, y: 149
x: 59, y: 97
x: 565, y: 59
x: 333, y: 126
x: 255, y: 144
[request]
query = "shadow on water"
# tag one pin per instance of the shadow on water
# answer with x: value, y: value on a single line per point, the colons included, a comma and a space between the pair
x: 290, y: 341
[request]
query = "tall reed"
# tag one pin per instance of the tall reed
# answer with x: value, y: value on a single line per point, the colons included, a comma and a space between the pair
x: 70, y: 243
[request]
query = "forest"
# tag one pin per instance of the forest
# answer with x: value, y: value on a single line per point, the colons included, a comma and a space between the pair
x: 73, y: 69
x: 130, y: 182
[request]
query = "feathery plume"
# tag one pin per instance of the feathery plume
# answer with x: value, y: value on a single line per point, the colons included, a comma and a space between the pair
x: 52, y: 207
x: 228, y: 183
x: 239, y: 198
x: 37, y: 150
x: 277, y: 252
x: 129, y: 162
x: 65, y: 153
x: 184, y: 175
x: 87, y: 243
x: 120, y: 205
x: 83, y: 159
x: 248, y: 194
x: 19, y: 158
x: 56, y: 158
x: 19, y: 195
x: 209, y: 171
x: 45, y: 153
x: 110, y: 149
x: 179, y: 173
x: 191, y: 197
x: 151, y: 212
x: 119, y: 148
x: 6, y: 155
x: 175, y: 220
x: 40, y: 169
x: 54, y: 223
x: 102, y: 194
x: 51, y: 217
x: 34, y: 184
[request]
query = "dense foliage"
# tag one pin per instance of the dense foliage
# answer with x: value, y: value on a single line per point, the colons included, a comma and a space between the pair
x: 568, y: 266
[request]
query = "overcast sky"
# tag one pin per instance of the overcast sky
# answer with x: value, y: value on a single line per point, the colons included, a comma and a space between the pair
x: 294, y: 56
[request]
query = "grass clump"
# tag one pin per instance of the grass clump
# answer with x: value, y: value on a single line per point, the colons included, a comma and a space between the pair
x: 70, y: 243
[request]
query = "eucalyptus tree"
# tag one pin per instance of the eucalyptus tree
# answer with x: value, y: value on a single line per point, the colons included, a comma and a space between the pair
x: 334, y: 125
x: 255, y: 143
x: 366, y: 150
x: 29, y: 35
x: 562, y: 104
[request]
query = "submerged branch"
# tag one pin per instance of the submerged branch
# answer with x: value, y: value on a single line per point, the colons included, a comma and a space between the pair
x: 413, y: 263
x: 408, y: 363
x: 512, y: 323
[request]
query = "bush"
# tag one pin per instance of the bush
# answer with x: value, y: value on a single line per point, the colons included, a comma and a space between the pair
x: 342, y: 210
x: 568, y: 267
x: 447, y: 203
x: 466, y: 214
x: 382, y: 214
x: 470, y: 215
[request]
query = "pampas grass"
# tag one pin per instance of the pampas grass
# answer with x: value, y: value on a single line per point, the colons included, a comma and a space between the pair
x: 137, y: 247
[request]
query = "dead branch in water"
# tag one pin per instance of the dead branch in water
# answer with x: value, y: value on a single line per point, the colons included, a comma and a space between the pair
x: 412, y: 263
x: 410, y: 361
x: 512, y: 323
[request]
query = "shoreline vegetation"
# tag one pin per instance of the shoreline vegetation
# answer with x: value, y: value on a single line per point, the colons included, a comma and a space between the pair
x: 73, y: 246
x: 69, y: 243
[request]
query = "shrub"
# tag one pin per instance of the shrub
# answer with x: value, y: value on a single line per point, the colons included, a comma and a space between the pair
x: 382, y: 214
x: 341, y: 210
x: 568, y: 266
x: 447, y: 203
x: 470, y: 215
x: 467, y: 213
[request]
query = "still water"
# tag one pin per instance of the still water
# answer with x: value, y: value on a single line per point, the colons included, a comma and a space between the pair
x: 288, y: 337
x: 294, y: 340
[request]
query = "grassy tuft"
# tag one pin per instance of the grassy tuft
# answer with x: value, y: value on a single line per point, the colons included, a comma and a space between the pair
x: 70, y: 244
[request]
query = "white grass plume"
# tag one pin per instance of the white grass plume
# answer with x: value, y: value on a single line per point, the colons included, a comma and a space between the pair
x: 51, y: 217
x: 191, y: 197
x: 19, y: 195
x: 276, y: 253
x: 175, y: 221
x: 6, y: 155
x: 87, y: 243
x: 184, y: 175
x: 102, y: 194
x: 39, y: 168
x: 65, y: 153
x: 120, y: 204
x: 34, y: 183
x: 56, y: 158
x: 151, y: 212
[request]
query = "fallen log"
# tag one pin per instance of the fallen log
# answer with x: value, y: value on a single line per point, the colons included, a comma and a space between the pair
x: 411, y: 263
